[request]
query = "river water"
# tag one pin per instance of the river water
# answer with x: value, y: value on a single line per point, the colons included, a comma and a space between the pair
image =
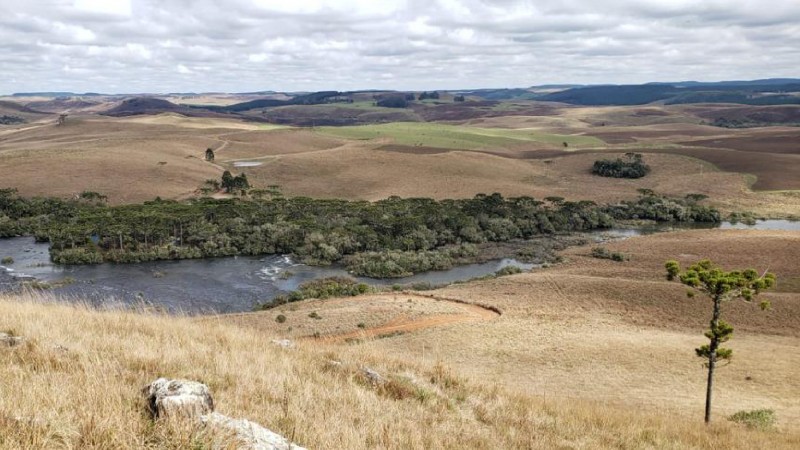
x: 232, y: 284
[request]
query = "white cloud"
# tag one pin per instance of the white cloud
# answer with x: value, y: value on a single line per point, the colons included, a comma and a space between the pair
x: 112, y: 7
x: 246, y: 45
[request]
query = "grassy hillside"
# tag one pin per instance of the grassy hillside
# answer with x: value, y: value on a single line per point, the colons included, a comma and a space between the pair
x: 593, y: 329
x: 458, y: 137
x: 75, y: 383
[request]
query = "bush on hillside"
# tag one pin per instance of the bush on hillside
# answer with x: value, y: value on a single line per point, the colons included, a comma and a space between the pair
x: 631, y: 167
x: 762, y: 419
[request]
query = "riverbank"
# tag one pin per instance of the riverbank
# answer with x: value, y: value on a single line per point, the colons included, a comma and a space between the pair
x: 236, y: 284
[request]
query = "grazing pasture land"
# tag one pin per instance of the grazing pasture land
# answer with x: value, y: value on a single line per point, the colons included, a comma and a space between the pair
x: 557, y: 357
x: 315, y: 392
x: 456, y: 137
x: 592, y: 329
x: 137, y: 158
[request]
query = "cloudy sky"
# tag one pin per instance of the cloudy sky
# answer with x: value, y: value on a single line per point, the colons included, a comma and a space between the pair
x: 123, y: 46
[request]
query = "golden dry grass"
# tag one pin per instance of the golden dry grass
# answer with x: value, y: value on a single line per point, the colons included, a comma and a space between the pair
x: 85, y: 394
x: 126, y: 160
x: 138, y: 158
x: 375, y: 315
x: 619, y: 333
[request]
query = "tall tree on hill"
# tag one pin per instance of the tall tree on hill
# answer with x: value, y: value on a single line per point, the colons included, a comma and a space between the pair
x: 719, y: 286
x: 227, y: 181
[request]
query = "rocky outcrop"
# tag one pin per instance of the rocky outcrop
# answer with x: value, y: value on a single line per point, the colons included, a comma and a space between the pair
x: 193, y: 401
x: 249, y: 435
x: 8, y: 340
x: 283, y: 343
x: 170, y: 398
x: 372, y: 376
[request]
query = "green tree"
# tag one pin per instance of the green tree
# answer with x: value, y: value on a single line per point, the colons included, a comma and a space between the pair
x: 227, y: 181
x: 720, y: 286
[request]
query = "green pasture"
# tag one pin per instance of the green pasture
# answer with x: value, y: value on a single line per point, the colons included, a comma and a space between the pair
x: 455, y: 136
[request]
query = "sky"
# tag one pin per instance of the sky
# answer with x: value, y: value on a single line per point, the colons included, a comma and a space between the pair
x: 159, y: 46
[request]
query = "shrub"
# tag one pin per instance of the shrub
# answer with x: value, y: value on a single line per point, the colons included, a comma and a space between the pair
x: 631, y: 167
x: 746, y: 217
x: 314, y: 315
x: 508, y: 270
x: 322, y: 288
x: 7, y: 260
x: 394, y: 101
x: 280, y: 319
x: 762, y: 419
x: 602, y: 253
x: 399, y: 264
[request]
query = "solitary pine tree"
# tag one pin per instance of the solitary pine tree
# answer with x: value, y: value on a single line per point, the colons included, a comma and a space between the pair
x: 227, y: 181
x: 720, y: 286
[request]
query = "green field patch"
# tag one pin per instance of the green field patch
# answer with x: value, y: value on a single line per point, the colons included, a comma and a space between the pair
x: 271, y: 126
x: 458, y: 137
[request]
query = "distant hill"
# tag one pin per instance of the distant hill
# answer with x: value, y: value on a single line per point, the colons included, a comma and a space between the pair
x: 63, y: 104
x: 143, y: 105
x: 750, y: 116
x: 55, y: 94
x: 6, y: 106
x: 500, y: 94
x: 314, y: 98
x: 12, y: 113
x: 760, y: 92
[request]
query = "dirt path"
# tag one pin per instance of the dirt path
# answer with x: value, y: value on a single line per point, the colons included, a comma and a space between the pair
x: 471, y: 313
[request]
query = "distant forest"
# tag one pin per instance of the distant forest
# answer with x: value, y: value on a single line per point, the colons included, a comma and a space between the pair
x: 747, y: 94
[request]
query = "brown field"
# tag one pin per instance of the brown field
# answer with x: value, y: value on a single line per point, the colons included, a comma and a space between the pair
x: 597, y: 330
x: 360, y: 171
x: 781, y: 114
x: 162, y: 158
x: 75, y: 383
x: 772, y: 171
x: 780, y: 140
x: 127, y: 161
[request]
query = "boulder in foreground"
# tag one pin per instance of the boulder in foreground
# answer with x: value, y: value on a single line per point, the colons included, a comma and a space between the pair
x: 178, y: 398
x: 192, y: 400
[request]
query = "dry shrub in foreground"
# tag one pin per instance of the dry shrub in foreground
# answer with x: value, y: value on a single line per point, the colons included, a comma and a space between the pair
x: 76, y: 380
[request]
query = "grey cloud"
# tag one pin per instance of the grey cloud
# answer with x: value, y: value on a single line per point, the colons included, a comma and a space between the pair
x: 243, y: 45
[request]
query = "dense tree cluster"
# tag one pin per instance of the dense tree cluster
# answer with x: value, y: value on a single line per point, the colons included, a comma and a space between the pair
x: 632, y: 166
x: 322, y: 288
x: 234, y: 183
x: 376, y: 236
x: 11, y: 120
x: 392, y: 101
x: 651, y: 206
x: 429, y: 95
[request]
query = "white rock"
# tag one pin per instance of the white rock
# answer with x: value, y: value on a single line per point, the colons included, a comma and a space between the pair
x: 9, y: 340
x: 184, y: 398
x: 285, y: 343
x: 374, y: 377
x: 250, y: 435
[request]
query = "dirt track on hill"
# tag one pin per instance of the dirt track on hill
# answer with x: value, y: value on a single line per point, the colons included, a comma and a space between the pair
x: 472, y: 313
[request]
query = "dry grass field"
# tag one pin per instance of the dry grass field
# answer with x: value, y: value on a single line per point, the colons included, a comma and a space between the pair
x: 75, y: 383
x: 596, y: 330
x: 512, y: 154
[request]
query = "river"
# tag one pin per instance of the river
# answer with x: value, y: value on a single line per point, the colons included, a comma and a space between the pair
x: 232, y: 284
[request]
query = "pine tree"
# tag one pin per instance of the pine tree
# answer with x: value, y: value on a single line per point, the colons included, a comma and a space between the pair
x: 719, y: 286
